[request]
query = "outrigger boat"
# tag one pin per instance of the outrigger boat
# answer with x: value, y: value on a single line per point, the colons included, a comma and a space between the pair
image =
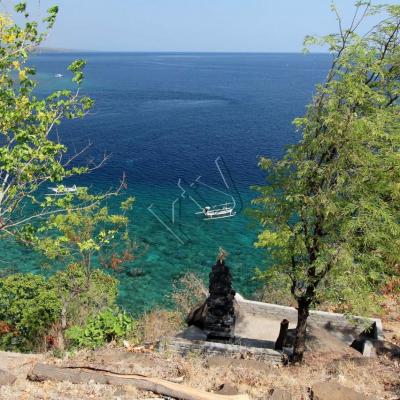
x: 219, y: 211
x: 61, y: 191
x: 225, y: 210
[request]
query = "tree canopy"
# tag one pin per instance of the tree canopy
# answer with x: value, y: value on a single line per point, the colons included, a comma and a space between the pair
x: 330, y: 209
x: 30, y: 152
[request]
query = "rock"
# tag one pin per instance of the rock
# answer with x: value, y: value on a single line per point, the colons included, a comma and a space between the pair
x: 227, y: 389
x: 135, y: 272
x: 323, y: 341
x: 335, y: 391
x: 198, y: 315
x: 6, y: 378
x: 279, y: 394
x: 17, y: 363
x: 374, y: 347
x: 368, y: 349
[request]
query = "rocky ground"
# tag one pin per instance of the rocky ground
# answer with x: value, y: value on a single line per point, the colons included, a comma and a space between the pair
x: 374, y: 378
x: 332, y: 374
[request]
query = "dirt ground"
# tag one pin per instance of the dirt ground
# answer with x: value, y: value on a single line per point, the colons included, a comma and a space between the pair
x: 378, y: 377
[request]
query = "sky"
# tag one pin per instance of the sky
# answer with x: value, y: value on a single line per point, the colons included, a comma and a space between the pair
x: 189, y: 25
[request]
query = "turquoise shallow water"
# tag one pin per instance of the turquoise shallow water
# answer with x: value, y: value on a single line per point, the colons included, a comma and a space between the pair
x: 169, y: 116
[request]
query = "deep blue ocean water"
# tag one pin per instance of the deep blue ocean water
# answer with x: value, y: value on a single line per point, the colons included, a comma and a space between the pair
x: 169, y: 116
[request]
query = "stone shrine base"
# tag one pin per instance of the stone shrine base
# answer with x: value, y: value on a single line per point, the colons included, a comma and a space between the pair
x: 257, y: 328
x: 195, y: 340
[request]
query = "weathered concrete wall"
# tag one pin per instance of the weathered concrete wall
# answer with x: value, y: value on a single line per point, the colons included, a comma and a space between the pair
x: 330, y: 321
x: 184, y: 347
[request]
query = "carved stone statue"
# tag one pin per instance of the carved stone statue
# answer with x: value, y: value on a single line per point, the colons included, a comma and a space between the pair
x: 220, y: 316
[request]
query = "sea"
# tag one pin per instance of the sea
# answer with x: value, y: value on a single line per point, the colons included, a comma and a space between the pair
x: 186, y: 131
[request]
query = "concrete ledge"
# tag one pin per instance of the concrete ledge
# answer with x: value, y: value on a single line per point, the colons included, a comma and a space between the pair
x: 323, y: 319
x: 184, y: 347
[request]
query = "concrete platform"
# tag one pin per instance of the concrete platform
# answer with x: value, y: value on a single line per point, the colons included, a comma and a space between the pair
x: 257, y: 328
x: 325, y: 331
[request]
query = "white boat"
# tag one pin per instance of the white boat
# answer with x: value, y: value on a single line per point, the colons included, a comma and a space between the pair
x: 220, y: 211
x: 58, y: 75
x: 225, y: 210
x: 62, y: 190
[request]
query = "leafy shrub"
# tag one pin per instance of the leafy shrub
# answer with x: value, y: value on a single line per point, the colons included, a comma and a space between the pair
x: 109, y: 325
x: 29, y: 306
x: 84, y: 295
x: 35, y: 311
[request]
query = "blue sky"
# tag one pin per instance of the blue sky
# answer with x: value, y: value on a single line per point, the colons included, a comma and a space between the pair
x: 190, y: 25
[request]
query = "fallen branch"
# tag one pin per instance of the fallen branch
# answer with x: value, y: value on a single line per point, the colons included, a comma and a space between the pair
x: 43, y: 372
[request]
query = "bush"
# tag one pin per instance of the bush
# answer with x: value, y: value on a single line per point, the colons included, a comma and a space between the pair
x: 83, y: 295
x: 35, y: 312
x: 29, y: 306
x: 107, y: 326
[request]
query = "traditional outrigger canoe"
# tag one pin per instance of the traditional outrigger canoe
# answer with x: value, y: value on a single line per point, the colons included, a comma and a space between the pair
x: 62, y: 190
x: 219, y: 211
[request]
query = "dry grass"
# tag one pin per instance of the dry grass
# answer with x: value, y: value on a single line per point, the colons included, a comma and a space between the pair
x: 379, y: 378
x: 188, y: 292
x: 159, y: 323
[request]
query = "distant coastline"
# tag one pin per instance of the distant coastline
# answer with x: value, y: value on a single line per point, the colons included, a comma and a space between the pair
x: 48, y: 50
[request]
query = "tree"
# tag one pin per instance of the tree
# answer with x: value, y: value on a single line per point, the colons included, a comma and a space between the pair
x: 330, y: 210
x: 80, y: 298
x: 77, y: 237
x: 30, y: 152
x: 74, y: 226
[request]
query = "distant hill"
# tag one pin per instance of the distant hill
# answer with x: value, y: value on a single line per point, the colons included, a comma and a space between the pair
x: 59, y: 50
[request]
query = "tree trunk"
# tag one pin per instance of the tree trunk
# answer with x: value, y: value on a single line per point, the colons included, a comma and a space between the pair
x: 60, y: 339
x: 300, y: 339
x: 43, y: 372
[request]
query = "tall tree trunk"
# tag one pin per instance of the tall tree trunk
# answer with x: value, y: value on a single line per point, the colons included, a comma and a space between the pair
x: 300, y: 339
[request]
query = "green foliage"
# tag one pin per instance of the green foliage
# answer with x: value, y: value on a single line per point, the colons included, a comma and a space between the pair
x: 29, y: 306
x: 74, y: 227
x: 32, y: 308
x: 80, y: 234
x: 107, y: 326
x: 77, y: 69
x: 29, y: 154
x: 82, y: 297
x: 330, y: 210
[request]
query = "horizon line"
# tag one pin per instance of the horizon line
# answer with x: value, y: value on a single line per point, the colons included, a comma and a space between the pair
x: 62, y: 50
